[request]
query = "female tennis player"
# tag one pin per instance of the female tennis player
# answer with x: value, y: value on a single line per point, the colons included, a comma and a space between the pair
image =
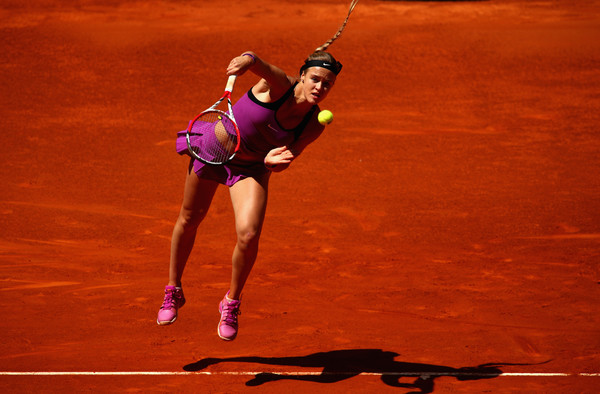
x: 277, y: 119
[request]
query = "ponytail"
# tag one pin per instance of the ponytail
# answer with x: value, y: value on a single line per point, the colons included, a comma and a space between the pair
x: 324, y: 47
x: 320, y: 57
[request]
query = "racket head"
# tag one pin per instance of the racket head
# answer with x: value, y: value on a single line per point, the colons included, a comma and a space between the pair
x: 213, y: 137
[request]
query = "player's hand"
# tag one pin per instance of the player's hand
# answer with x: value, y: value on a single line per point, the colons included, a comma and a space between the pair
x: 239, y: 65
x: 279, y: 158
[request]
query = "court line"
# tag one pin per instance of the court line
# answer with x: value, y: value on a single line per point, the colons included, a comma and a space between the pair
x: 298, y: 373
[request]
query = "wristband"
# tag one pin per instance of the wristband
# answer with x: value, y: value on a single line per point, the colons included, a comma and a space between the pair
x: 251, y: 55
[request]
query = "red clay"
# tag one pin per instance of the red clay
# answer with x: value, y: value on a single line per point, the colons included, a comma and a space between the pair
x: 448, y: 218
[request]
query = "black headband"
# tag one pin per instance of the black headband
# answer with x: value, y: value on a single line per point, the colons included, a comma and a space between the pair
x: 333, y: 67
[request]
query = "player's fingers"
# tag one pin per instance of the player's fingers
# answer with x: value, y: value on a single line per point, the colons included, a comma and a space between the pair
x: 239, y: 65
x: 279, y: 150
x: 234, y: 68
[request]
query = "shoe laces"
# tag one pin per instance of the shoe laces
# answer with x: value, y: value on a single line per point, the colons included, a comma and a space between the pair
x: 169, y: 301
x: 231, y: 310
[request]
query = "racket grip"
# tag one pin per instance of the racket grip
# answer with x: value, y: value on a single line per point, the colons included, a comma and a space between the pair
x: 230, y: 83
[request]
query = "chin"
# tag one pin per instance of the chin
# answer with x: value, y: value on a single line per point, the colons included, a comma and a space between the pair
x: 315, y: 100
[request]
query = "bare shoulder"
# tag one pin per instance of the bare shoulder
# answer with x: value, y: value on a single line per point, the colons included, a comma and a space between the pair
x: 268, y: 92
x: 261, y: 86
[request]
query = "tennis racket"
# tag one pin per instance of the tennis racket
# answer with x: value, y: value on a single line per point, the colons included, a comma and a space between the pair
x: 213, y: 136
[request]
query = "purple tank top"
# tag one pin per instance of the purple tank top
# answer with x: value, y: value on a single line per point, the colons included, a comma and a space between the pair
x: 260, y: 132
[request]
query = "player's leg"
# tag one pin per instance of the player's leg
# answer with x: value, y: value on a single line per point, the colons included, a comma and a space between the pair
x: 197, y: 196
x: 249, y: 200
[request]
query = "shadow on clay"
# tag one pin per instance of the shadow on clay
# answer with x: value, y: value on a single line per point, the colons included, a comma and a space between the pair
x: 340, y: 365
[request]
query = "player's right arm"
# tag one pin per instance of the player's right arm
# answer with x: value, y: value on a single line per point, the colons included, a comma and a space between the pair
x: 274, y: 81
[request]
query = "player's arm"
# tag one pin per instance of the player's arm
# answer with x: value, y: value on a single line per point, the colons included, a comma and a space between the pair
x: 280, y: 158
x: 274, y: 80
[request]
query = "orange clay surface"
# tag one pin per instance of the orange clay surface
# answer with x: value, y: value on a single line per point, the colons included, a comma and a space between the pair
x: 448, y: 218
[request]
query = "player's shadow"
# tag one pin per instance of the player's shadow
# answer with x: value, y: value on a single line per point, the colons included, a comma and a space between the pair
x: 343, y: 364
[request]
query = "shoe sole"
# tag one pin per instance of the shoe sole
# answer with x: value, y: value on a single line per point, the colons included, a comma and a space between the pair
x: 223, y: 338
x: 166, y: 323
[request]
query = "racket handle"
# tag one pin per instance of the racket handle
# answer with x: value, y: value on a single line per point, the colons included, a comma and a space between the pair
x: 230, y: 83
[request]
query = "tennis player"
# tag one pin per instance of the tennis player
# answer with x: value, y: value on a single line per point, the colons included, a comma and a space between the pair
x: 277, y: 119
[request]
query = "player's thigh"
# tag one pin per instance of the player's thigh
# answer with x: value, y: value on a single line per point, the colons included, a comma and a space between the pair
x: 249, y: 200
x: 197, y: 197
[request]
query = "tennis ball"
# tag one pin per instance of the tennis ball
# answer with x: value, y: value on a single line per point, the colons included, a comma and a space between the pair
x: 325, y: 117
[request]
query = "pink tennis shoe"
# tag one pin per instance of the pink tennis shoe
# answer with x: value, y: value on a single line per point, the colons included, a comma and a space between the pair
x: 228, y: 325
x: 174, y: 300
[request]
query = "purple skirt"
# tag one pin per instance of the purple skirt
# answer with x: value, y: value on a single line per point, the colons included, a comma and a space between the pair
x: 240, y: 167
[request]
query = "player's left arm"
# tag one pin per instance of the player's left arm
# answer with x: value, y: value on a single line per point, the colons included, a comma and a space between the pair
x: 280, y: 158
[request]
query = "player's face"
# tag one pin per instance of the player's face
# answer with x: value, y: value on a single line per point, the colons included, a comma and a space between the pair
x: 317, y: 83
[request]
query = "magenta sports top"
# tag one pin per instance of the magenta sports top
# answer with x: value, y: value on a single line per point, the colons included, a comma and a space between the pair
x: 260, y: 132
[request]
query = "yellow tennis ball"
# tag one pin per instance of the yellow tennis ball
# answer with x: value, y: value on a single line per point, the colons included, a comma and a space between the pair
x: 325, y: 117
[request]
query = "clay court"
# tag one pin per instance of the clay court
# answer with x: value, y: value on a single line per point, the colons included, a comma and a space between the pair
x: 442, y: 235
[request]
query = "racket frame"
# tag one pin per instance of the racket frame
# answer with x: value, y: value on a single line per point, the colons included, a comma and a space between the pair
x: 229, y: 115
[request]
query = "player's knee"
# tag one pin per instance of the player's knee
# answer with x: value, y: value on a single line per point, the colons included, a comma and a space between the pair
x: 247, y: 237
x: 191, y: 219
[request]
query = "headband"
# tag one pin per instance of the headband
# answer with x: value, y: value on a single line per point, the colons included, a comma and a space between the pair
x: 333, y: 67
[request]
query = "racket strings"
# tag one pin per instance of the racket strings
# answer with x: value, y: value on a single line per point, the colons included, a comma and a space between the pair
x: 213, y: 137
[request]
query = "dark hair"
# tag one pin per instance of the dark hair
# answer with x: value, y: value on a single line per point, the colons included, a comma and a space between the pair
x: 322, y: 59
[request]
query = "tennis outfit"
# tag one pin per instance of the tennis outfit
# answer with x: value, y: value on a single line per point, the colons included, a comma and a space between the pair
x: 260, y: 132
